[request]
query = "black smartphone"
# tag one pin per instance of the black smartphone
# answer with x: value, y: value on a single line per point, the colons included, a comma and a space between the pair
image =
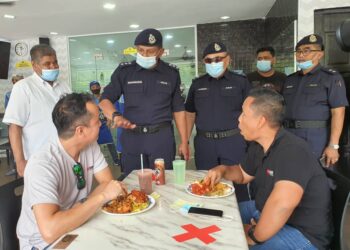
x: 206, y: 211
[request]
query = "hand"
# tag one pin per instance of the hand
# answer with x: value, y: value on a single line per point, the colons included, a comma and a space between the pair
x: 214, y: 175
x: 120, y: 121
x: 331, y: 154
x: 20, y: 165
x: 246, y: 229
x: 184, y: 150
x: 113, y: 190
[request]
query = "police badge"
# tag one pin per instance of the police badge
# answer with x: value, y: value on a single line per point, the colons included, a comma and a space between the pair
x: 217, y: 47
x: 312, y: 39
x: 151, y: 39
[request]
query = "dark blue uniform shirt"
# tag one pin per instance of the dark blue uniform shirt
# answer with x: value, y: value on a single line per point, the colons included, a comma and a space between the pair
x: 151, y: 95
x: 217, y: 102
x: 311, y: 96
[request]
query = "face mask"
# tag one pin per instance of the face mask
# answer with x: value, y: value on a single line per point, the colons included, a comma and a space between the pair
x: 50, y: 74
x: 263, y: 65
x: 96, y: 91
x: 305, y: 65
x: 214, y: 69
x: 146, y: 62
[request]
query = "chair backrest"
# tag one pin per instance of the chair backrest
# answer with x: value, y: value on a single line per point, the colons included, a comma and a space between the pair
x: 340, y: 193
x: 10, y: 209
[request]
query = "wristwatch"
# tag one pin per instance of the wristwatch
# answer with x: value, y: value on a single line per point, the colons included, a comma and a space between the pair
x: 334, y: 146
x: 114, y: 114
x: 251, y: 235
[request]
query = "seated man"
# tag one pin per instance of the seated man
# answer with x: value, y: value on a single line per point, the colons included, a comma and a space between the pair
x: 57, y: 195
x: 292, y: 208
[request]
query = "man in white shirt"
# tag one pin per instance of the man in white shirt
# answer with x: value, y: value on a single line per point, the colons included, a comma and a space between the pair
x: 57, y: 195
x: 28, y: 113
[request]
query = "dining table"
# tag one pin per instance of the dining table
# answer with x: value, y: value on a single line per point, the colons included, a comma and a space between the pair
x: 166, y: 224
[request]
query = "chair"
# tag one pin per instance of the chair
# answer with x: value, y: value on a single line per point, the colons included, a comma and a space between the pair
x: 340, y: 194
x: 10, y: 209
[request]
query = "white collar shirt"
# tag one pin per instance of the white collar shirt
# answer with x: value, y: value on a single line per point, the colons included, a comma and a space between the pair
x: 30, y: 106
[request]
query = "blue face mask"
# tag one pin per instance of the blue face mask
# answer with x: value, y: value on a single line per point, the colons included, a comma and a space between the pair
x: 50, y: 75
x: 214, y: 69
x: 146, y: 62
x: 305, y: 65
x: 263, y: 65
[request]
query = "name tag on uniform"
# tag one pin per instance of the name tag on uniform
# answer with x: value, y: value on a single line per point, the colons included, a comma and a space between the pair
x: 289, y: 87
x: 164, y: 83
x: 313, y: 85
x: 134, y: 82
x: 202, y: 89
x: 229, y: 87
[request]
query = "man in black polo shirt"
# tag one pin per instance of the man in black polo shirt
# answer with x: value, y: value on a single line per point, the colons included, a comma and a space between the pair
x: 292, y: 207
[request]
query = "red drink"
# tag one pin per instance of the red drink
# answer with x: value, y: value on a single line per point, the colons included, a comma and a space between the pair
x: 145, y: 180
x: 159, y: 168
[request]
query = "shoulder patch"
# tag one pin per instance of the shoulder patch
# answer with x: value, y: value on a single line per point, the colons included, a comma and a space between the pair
x: 173, y: 66
x: 329, y: 71
x: 126, y: 64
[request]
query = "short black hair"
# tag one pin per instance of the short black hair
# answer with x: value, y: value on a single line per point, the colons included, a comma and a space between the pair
x: 268, y: 48
x: 70, y: 112
x: 269, y: 103
x: 40, y: 50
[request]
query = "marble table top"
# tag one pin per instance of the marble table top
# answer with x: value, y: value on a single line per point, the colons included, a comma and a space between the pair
x: 155, y: 228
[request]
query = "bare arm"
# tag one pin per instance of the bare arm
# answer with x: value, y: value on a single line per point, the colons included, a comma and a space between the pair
x: 337, y: 121
x: 119, y: 121
x: 190, y: 118
x: 180, y: 120
x: 15, y: 135
x: 284, y: 198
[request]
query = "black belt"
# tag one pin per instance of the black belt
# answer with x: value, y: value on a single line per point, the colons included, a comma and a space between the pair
x: 305, y: 124
x: 218, y: 134
x: 151, y: 129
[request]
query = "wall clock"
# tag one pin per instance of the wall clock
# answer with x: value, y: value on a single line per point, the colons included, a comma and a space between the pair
x: 21, y: 49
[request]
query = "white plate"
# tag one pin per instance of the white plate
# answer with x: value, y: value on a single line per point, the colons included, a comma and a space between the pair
x: 228, y: 192
x: 151, y: 200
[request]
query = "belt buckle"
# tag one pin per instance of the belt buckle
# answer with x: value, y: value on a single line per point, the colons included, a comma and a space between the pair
x: 144, y: 130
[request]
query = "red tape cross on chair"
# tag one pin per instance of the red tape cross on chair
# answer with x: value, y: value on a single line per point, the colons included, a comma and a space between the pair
x: 202, y: 234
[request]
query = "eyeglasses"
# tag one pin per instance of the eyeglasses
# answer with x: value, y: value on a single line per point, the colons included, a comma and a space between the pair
x: 79, y: 173
x: 305, y: 52
x: 215, y: 59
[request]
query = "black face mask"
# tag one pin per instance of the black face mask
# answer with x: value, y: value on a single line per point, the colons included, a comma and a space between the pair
x: 96, y: 91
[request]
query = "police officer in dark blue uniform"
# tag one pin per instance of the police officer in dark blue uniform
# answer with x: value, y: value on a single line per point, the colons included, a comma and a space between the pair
x: 315, y: 100
x: 151, y: 90
x: 214, y: 103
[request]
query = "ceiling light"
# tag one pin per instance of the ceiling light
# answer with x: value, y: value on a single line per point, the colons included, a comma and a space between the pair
x: 169, y: 36
x: 9, y: 16
x: 53, y: 33
x: 134, y: 26
x: 189, y: 51
x: 109, y: 6
x: 224, y: 17
x: 177, y: 45
x: 110, y: 41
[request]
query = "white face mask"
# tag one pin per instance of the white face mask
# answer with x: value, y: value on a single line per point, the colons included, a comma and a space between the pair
x: 146, y: 62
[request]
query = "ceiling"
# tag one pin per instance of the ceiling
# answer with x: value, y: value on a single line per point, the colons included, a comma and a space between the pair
x: 35, y: 18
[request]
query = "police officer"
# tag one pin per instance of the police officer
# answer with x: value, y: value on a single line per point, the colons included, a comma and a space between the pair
x: 151, y: 90
x: 214, y: 103
x: 315, y: 100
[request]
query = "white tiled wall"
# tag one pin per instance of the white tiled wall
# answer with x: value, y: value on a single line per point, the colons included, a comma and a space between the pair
x: 306, y: 13
x: 58, y: 43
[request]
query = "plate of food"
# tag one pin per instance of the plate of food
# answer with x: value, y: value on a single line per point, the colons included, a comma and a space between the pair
x: 200, y: 189
x: 135, y: 202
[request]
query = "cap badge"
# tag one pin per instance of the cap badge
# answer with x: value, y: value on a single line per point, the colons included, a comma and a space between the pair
x: 151, y: 39
x: 312, y: 39
x: 217, y: 47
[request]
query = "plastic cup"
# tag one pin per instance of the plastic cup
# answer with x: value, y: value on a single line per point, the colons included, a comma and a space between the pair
x: 145, y: 180
x: 179, y: 167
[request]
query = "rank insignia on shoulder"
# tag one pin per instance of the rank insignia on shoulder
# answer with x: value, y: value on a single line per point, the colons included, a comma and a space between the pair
x: 173, y: 66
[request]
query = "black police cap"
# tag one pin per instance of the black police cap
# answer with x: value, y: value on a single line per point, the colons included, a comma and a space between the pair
x: 149, y: 37
x: 310, y: 39
x: 215, y: 47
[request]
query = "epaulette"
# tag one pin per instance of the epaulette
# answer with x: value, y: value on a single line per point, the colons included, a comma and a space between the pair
x: 173, y: 66
x: 329, y: 71
x: 126, y: 64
